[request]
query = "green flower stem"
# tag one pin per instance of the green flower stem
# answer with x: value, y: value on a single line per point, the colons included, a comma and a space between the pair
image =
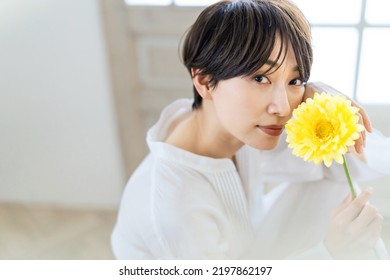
x: 349, y: 178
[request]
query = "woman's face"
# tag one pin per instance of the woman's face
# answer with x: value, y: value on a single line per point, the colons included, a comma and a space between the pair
x: 254, y: 109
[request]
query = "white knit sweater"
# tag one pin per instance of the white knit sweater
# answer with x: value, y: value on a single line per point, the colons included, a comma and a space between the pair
x: 179, y: 205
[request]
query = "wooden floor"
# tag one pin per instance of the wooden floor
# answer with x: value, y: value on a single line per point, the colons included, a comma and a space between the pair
x: 38, y: 232
x: 47, y: 233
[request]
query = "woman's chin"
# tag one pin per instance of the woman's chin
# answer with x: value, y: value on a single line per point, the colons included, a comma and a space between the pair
x: 265, y: 145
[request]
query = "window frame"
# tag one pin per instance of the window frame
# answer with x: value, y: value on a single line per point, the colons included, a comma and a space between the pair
x: 360, y: 27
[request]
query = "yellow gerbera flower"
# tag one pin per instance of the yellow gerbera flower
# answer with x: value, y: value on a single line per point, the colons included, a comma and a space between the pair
x: 322, y: 128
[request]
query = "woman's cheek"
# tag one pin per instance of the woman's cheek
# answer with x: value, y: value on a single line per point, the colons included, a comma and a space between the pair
x: 296, y: 101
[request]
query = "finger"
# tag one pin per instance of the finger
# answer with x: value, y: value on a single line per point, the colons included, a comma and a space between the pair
x: 359, y: 146
x: 356, y: 206
x: 375, y: 230
x: 365, y: 118
x: 366, y: 217
x: 360, y: 143
x: 377, y: 222
x: 364, y: 137
x: 376, y: 225
x: 363, y: 133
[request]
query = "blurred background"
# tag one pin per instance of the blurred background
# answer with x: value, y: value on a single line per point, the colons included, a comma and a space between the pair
x: 82, y: 80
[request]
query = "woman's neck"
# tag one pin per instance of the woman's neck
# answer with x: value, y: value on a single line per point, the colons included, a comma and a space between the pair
x: 201, y: 133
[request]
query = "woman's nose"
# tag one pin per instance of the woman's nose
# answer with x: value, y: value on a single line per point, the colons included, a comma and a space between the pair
x: 279, y: 104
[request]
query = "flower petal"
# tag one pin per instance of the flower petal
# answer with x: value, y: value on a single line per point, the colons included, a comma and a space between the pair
x: 322, y: 128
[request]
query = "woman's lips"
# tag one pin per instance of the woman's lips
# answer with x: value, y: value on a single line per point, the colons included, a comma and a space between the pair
x: 272, y: 130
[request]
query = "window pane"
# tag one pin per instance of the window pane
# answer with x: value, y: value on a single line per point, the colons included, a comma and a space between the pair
x: 194, y: 2
x: 331, y: 11
x: 335, y: 53
x: 148, y: 2
x: 373, y: 77
x: 377, y: 11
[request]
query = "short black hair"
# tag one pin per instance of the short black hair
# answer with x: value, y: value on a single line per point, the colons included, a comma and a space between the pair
x: 235, y: 38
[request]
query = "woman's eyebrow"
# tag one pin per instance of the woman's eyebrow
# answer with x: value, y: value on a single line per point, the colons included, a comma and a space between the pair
x: 277, y: 65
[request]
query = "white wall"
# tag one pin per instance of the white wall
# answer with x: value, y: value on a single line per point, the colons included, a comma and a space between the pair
x: 58, y: 137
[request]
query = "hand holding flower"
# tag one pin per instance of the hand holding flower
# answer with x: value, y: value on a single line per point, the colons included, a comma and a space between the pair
x: 355, y: 227
x: 321, y: 130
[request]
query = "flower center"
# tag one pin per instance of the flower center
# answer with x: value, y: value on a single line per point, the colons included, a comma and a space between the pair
x: 324, y: 129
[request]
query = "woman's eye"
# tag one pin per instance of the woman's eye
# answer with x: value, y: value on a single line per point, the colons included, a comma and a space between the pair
x: 297, y: 82
x: 261, y: 79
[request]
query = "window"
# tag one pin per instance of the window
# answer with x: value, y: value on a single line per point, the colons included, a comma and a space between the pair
x: 350, y: 42
x: 351, y: 39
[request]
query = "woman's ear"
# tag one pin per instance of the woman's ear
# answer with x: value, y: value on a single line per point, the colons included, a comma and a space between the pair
x: 202, y: 84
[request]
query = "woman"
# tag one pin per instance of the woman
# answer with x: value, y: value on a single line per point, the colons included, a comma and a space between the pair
x: 200, y: 193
